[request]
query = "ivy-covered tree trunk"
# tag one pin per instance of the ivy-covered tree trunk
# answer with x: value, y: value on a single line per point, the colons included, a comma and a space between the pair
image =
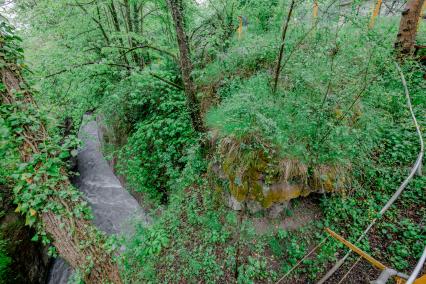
x: 43, y: 191
x: 406, y: 36
x: 186, y: 65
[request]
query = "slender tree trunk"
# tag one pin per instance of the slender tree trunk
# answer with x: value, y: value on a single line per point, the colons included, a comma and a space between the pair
x: 76, y: 240
x: 406, y: 36
x: 136, y: 18
x: 130, y: 29
x: 104, y: 34
x: 280, y: 54
x: 117, y: 28
x: 97, y: 21
x: 141, y: 19
x: 137, y: 21
x: 176, y: 10
x: 114, y: 16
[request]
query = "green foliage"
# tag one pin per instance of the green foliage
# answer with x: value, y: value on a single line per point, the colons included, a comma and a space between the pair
x: 34, y: 161
x: 254, y: 269
x: 155, y: 152
x: 339, y: 103
x: 401, y: 239
x: 377, y: 140
x: 259, y: 14
x: 324, y: 106
x: 37, y: 179
x: 242, y: 59
x: 194, y: 239
x: 5, y: 261
x: 11, y: 45
x: 252, y: 112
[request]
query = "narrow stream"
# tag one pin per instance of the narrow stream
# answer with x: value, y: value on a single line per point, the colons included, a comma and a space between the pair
x: 113, y: 207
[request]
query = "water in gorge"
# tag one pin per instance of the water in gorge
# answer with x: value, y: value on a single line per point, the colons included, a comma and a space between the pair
x: 113, y: 207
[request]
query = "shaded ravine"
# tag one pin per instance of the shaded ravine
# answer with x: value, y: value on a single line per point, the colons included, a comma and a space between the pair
x: 114, y: 209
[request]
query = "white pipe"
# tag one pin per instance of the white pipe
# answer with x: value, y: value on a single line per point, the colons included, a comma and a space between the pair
x: 416, y: 270
x: 414, y: 169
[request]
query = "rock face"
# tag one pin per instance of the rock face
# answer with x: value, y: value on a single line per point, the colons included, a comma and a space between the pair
x: 114, y: 209
x: 260, y: 181
x: 272, y: 200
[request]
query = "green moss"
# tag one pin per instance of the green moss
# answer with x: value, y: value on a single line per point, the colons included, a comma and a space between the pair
x: 249, y: 169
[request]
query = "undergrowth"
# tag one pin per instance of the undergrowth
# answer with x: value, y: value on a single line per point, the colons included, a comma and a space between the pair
x: 196, y: 239
x: 339, y: 103
x: 151, y: 132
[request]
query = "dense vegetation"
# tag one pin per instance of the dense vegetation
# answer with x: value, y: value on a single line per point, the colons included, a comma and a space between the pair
x: 336, y: 131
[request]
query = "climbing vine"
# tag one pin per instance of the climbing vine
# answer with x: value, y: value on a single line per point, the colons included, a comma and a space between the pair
x: 42, y: 191
x: 37, y: 178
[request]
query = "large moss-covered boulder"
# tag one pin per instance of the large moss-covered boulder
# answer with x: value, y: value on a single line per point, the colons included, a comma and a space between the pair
x: 257, y: 179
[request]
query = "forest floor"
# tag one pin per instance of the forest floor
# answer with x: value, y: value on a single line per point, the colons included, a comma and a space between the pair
x: 299, y: 213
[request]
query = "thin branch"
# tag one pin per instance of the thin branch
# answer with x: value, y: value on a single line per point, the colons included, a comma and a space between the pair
x: 94, y: 19
x: 302, y: 39
x: 144, y: 46
x: 115, y: 65
x: 280, y: 54
x: 71, y: 68
x: 166, y: 81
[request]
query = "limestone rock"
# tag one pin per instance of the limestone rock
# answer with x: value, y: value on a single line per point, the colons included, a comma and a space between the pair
x: 233, y: 203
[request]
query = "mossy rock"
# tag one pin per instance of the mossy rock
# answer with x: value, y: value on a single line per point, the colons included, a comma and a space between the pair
x: 263, y: 179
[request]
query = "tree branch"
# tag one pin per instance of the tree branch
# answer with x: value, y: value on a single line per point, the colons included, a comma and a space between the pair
x: 166, y: 81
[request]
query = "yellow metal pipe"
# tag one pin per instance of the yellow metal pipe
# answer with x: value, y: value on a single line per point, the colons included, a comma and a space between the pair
x: 356, y: 249
x: 375, y: 13
x: 363, y: 254
x: 315, y: 11
x: 240, y: 27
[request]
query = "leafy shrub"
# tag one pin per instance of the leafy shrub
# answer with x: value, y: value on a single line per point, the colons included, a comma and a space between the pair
x: 260, y: 13
x: 155, y: 152
x: 243, y: 59
x: 283, y: 121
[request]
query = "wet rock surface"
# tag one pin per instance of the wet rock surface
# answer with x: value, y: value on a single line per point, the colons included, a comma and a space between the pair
x: 114, y: 209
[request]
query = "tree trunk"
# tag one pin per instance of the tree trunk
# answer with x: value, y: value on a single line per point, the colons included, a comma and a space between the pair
x: 130, y: 29
x: 280, y: 53
x: 97, y: 21
x: 406, y: 36
x: 76, y: 240
x: 186, y: 65
x: 117, y: 28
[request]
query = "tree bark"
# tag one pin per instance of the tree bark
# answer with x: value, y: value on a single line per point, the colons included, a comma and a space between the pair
x: 97, y: 21
x: 406, y: 36
x: 76, y: 240
x: 130, y: 29
x: 117, y: 28
x: 280, y: 54
x: 176, y: 9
